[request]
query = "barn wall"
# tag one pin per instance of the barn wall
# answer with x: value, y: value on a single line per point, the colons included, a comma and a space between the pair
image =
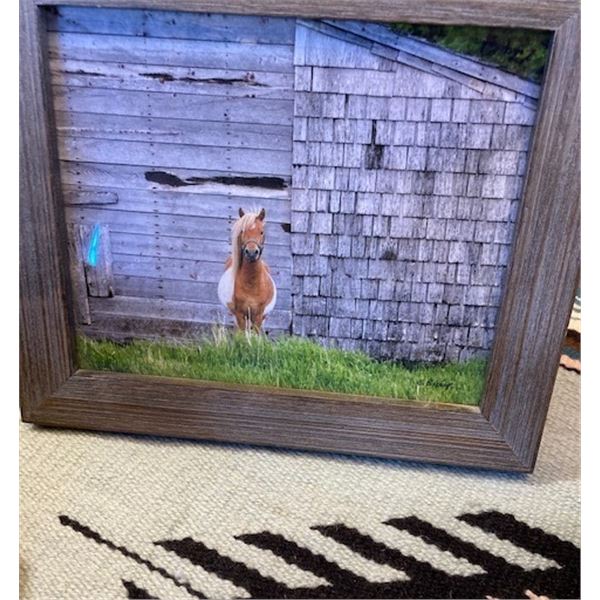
x: 406, y: 187
x: 167, y: 124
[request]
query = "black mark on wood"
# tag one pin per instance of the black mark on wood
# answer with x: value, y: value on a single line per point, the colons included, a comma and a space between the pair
x: 388, y: 254
x: 82, y: 72
x: 164, y: 178
x: 287, y: 227
x: 88, y: 198
x: 247, y: 79
x: 374, y: 154
x: 162, y: 77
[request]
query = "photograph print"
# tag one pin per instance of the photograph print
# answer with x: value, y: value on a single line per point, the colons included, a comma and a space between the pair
x: 321, y: 205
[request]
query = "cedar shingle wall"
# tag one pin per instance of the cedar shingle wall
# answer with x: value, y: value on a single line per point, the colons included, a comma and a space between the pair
x: 405, y: 193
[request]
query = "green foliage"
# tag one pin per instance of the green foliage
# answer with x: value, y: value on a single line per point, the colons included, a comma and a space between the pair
x: 288, y: 362
x: 519, y: 51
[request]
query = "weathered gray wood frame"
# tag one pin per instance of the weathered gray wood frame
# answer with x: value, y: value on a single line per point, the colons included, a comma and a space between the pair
x: 503, y: 433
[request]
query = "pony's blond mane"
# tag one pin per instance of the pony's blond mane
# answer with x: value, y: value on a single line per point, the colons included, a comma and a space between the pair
x: 238, y: 228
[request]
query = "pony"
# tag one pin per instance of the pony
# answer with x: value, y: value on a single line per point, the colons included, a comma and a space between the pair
x: 246, y: 287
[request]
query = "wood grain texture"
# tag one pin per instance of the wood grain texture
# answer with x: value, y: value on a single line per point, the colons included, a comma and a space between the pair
x: 265, y: 416
x: 204, y: 228
x: 173, y: 25
x: 46, y: 340
x: 126, y: 328
x: 175, y: 156
x: 178, y: 53
x: 161, y: 93
x: 505, y: 434
x: 173, y: 131
x: 182, y: 80
x: 543, y: 274
x: 174, y: 310
x: 535, y: 14
x: 81, y: 305
x: 264, y: 111
x: 178, y: 203
x: 193, y: 181
x: 99, y: 266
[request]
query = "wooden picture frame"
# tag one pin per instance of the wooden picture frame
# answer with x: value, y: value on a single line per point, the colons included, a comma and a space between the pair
x: 503, y: 433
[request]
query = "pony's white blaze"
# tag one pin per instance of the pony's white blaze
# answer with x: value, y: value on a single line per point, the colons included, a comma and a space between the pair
x: 225, y: 289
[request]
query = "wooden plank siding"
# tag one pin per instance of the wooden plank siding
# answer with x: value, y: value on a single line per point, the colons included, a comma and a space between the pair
x: 192, y: 181
x: 172, y: 131
x: 167, y: 124
x: 173, y: 25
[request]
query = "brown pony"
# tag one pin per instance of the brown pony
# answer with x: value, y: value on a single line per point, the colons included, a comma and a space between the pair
x: 246, y: 287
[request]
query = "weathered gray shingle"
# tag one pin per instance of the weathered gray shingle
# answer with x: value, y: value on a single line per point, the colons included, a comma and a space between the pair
x: 352, y: 131
x: 302, y: 78
x: 320, y: 129
x: 486, y: 111
x: 299, y: 222
x: 450, y: 135
x: 518, y: 114
x: 404, y: 196
x: 474, y: 136
x: 395, y: 157
x: 441, y: 110
x: 428, y: 134
x: 308, y: 104
x: 499, y: 162
x: 404, y: 133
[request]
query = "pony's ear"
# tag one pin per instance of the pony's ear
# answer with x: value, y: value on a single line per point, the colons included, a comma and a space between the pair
x: 241, y: 212
x: 261, y: 215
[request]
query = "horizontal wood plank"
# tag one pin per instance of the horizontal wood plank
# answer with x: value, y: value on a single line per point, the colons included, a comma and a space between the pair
x: 189, y: 248
x: 175, y: 156
x: 185, y: 226
x: 536, y: 14
x: 173, y: 25
x: 185, y: 270
x: 170, y: 52
x: 174, y: 106
x: 174, y: 80
x: 178, y: 203
x: 290, y: 418
x: 152, y: 308
x: 184, y: 181
x: 126, y: 328
x: 174, y: 131
x: 77, y: 197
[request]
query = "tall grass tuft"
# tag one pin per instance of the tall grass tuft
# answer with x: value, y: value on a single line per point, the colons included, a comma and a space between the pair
x: 288, y: 362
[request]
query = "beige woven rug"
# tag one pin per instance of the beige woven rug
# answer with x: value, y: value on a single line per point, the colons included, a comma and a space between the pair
x: 114, y: 516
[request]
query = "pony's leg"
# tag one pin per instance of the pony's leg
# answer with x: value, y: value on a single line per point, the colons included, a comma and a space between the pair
x: 240, y: 318
x: 258, y: 321
x: 249, y: 321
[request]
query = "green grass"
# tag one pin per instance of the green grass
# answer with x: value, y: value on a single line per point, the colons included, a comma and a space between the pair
x: 288, y: 362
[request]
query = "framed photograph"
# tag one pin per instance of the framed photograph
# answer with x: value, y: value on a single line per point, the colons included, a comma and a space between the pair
x: 326, y: 227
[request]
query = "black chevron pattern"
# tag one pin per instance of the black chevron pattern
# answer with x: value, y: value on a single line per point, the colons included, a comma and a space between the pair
x: 501, y: 578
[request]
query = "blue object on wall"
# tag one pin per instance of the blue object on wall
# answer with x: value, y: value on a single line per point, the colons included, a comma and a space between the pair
x: 92, y: 255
